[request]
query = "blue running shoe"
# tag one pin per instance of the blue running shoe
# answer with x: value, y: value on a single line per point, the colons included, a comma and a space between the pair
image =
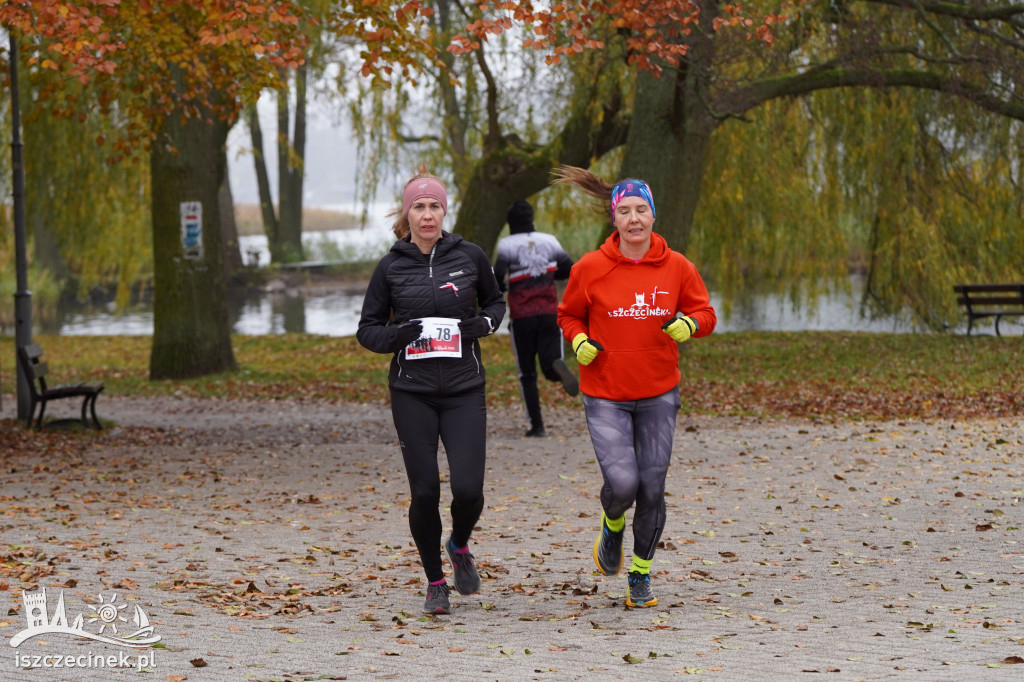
x: 640, y: 593
x: 608, y: 549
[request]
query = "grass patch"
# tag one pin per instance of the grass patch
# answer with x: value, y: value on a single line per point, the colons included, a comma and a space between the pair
x: 817, y: 375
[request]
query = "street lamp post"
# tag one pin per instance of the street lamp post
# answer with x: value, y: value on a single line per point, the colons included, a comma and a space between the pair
x: 22, y: 297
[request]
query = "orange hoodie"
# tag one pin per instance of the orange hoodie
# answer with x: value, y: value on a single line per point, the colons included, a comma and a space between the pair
x: 621, y: 304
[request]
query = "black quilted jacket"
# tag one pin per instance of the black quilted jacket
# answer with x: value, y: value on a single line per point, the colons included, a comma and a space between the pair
x: 455, y: 280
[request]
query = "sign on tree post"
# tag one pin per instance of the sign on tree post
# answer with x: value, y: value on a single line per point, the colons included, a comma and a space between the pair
x: 192, y: 230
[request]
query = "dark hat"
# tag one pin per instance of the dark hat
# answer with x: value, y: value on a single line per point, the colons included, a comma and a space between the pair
x: 520, y: 216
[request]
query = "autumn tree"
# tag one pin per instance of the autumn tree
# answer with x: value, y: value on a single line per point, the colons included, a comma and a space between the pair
x: 187, y: 157
x: 88, y: 217
x: 231, y: 250
x: 501, y: 109
x: 89, y: 214
x: 937, y: 58
x: 495, y: 120
x: 183, y: 85
x: 283, y: 222
x: 703, y: 66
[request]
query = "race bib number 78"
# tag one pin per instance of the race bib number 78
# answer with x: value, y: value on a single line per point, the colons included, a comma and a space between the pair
x: 441, y: 338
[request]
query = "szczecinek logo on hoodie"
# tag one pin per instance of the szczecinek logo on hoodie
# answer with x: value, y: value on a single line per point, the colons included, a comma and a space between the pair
x: 109, y: 618
x: 641, y: 309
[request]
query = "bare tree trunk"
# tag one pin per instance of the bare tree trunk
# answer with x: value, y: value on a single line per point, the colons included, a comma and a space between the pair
x: 230, y: 249
x: 667, y: 148
x: 290, y: 167
x: 46, y: 249
x: 511, y: 172
x: 671, y: 132
x: 191, y: 334
x: 270, y: 224
x: 291, y: 182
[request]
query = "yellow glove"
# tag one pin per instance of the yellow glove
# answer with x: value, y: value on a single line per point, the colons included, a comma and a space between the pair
x: 680, y: 328
x: 586, y: 349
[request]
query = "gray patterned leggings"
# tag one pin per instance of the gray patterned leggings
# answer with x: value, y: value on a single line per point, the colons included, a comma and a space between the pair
x: 633, y: 443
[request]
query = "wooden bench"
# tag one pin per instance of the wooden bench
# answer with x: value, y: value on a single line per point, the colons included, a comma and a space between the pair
x: 35, y: 372
x: 990, y: 300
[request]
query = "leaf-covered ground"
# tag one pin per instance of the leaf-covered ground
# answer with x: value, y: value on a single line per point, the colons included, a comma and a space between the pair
x: 268, y: 539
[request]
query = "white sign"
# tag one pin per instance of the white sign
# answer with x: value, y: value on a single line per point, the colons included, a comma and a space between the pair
x: 441, y: 338
x: 192, y: 229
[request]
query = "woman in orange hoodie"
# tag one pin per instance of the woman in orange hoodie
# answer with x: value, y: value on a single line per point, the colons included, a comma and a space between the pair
x: 626, y: 308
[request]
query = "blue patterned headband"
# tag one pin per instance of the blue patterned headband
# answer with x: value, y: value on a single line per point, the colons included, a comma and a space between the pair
x: 632, y: 188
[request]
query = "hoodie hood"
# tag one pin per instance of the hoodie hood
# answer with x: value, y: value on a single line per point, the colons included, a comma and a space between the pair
x: 656, y: 255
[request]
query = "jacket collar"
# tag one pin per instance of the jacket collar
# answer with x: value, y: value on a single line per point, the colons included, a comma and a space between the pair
x: 405, y: 247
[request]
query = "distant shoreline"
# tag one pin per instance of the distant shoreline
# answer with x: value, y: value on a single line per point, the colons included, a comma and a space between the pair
x: 249, y: 222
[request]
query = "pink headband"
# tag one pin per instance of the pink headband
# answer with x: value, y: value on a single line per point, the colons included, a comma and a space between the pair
x: 424, y: 187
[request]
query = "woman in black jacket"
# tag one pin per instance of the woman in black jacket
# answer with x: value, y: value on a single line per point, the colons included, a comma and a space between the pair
x: 429, y: 300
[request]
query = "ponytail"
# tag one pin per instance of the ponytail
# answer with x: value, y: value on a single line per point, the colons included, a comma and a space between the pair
x: 585, y: 180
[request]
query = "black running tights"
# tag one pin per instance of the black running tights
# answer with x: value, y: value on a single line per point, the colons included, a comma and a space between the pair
x: 460, y: 423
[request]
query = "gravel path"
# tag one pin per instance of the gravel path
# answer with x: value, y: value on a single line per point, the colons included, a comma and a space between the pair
x: 270, y: 541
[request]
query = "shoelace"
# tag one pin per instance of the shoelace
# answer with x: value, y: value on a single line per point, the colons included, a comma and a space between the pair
x: 609, y: 538
x: 463, y: 560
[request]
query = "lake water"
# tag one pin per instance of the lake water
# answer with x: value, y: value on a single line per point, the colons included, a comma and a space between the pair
x: 337, y: 313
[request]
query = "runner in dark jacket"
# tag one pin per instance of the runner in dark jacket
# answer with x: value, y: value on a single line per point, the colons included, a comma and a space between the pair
x: 428, y: 302
x: 451, y: 282
x: 533, y: 261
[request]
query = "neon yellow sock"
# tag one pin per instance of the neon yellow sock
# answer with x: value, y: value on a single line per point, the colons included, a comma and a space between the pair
x: 640, y: 565
x: 614, y: 525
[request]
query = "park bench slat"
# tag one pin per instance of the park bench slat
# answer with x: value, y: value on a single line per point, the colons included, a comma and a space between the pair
x: 40, y: 393
x: 990, y: 300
